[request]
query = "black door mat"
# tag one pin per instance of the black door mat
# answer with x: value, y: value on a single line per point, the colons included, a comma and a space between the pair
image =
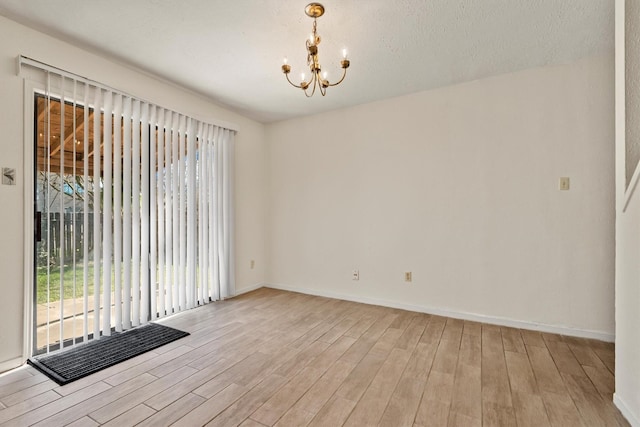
x: 73, y: 364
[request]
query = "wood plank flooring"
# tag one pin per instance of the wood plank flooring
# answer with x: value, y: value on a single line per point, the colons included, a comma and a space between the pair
x: 275, y: 358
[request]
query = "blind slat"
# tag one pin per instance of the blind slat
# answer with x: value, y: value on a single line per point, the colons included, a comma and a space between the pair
x: 117, y: 208
x: 175, y: 212
x: 133, y: 214
x: 61, y: 235
x: 85, y: 217
x: 191, y: 216
x: 127, y: 238
x: 169, y: 194
x: 162, y: 220
x: 97, y: 211
x: 153, y: 213
x: 182, y: 212
x: 143, y: 217
x: 202, y: 214
x: 107, y: 214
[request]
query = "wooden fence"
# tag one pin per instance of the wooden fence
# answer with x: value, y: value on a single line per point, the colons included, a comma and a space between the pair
x: 71, y: 237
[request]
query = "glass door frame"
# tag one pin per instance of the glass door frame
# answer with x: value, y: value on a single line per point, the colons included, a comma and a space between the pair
x: 31, y: 87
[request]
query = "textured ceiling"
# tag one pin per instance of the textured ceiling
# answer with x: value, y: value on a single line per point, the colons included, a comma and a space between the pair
x: 231, y: 51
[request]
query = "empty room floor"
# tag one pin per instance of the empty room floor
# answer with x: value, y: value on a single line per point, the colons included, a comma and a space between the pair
x: 272, y: 357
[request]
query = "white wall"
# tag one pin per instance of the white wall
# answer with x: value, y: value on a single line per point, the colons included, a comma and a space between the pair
x: 15, y: 40
x: 460, y: 186
x: 627, y: 395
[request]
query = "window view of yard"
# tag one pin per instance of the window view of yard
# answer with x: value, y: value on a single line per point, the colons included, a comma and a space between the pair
x: 61, y: 190
x: 48, y: 283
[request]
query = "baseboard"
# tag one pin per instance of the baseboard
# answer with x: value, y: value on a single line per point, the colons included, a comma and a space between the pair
x: 626, y: 412
x: 11, y: 364
x: 250, y: 288
x: 501, y: 321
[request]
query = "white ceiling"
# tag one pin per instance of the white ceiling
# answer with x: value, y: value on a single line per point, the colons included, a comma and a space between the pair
x: 232, y: 51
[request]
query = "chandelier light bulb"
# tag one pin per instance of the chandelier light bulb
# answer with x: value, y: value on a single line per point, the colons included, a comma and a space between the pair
x: 285, y: 60
x: 324, y: 75
x: 302, y: 77
x: 344, y: 53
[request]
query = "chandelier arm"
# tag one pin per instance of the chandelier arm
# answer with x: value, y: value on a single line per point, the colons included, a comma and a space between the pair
x: 344, y: 74
x: 315, y: 83
x: 307, y: 87
x: 309, y: 95
x: 323, y: 91
x: 291, y: 83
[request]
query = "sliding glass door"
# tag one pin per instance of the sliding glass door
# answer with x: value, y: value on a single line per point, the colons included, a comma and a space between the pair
x: 133, y: 211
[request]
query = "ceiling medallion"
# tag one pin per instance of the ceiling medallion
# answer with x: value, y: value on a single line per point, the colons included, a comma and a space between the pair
x: 318, y: 79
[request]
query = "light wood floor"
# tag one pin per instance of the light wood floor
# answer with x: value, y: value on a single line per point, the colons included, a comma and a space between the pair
x: 279, y: 358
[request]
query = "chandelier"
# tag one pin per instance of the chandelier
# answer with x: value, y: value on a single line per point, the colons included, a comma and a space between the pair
x: 318, y: 78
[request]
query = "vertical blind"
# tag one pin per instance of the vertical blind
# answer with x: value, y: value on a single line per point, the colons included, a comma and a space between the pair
x: 150, y: 192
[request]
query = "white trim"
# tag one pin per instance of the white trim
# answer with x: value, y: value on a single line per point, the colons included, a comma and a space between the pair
x: 626, y: 412
x: 623, y: 194
x: 251, y: 288
x: 501, y: 321
x: 11, y: 364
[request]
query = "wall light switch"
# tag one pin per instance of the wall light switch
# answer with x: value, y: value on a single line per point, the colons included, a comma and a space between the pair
x: 8, y: 176
x: 253, y: 264
x: 564, y: 183
x: 355, y: 275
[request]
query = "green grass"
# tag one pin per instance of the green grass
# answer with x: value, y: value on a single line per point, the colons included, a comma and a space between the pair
x: 68, y: 286
x: 54, y: 282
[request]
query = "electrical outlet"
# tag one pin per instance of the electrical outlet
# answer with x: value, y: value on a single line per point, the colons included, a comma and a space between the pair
x: 564, y: 183
x: 355, y: 275
x: 407, y: 276
x: 253, y: 264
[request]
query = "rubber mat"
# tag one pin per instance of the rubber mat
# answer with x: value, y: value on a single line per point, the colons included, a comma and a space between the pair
x: 69, y: 365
